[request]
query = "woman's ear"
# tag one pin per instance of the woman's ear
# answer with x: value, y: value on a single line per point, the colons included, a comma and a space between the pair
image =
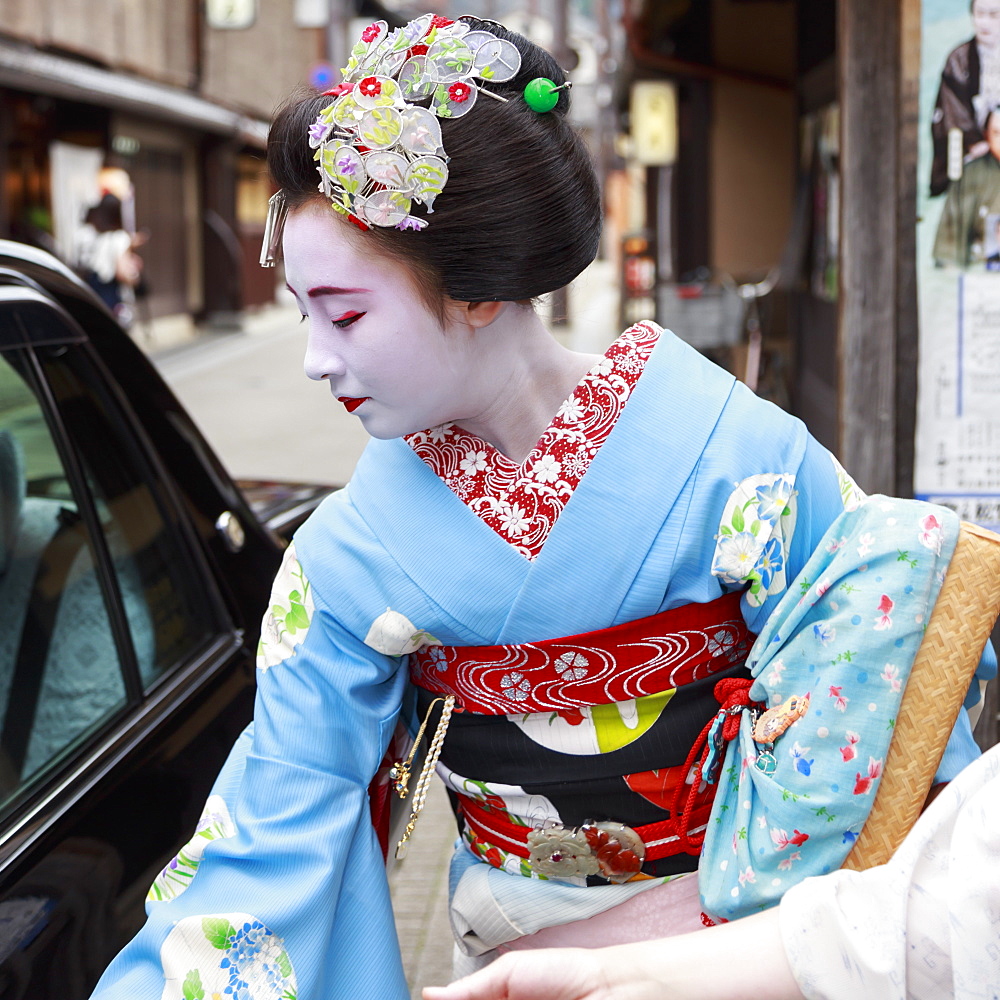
x: 475, y: 314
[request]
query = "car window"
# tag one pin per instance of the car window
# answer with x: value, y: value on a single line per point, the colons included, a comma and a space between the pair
x: 164, y: 600
x: 67, y: 557
x: 59, y: 667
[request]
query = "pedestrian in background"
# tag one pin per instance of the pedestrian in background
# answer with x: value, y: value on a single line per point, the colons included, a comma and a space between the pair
x: 105, y: 255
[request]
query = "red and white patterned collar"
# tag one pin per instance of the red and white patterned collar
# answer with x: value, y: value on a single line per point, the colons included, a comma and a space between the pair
x: 522, y: 502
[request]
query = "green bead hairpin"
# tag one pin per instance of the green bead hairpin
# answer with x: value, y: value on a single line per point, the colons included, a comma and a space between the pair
x: 542, y: 95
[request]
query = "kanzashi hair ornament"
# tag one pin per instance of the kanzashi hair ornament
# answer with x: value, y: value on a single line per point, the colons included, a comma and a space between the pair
x: 378, y: 150
x: 277, y: 209
x: 541, y: 94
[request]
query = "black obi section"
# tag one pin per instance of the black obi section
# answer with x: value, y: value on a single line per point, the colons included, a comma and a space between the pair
x: 491, y: 748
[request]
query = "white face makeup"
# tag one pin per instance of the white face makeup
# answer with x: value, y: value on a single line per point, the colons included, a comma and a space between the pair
x: 387, y: 357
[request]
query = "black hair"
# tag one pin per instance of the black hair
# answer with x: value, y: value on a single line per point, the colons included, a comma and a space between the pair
x: 520, y: 214
x: 106, y: 215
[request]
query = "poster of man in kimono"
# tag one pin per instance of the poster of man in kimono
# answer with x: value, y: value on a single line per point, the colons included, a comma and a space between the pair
x: 969, y: 88
x: 958, y: 202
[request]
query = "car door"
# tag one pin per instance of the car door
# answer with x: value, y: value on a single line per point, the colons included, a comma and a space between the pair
x: 123, y: 678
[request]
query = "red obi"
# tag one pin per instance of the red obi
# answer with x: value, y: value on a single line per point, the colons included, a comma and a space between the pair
x: 639, y: 658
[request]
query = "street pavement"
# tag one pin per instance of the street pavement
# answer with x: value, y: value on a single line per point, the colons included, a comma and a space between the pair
x: 266, y: 420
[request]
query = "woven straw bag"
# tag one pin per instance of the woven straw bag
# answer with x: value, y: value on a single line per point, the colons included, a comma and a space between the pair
x: 963, y: 617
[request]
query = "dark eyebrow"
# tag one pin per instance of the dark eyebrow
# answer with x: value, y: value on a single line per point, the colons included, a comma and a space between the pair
x: 315, y: 293
x: 321, y: 290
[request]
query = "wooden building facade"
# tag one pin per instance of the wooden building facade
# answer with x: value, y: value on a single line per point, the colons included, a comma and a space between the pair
x: 181, y: 104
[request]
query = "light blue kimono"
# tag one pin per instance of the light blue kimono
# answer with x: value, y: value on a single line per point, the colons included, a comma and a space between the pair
x: 700, y: 487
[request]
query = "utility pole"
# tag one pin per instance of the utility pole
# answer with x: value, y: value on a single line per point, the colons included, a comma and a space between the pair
x: 605, y: 123
x: 560, y: 32
x: 560, y: 49
x: 336, y: 51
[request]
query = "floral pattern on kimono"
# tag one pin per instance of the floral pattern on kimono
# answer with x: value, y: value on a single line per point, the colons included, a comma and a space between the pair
x: 291, y: 612
x: 522, y: 502
x: 511, y: 802
x: 230, y: 955
x: 215, y: 823
x: 850, y: 493
x: 832, y: 662
x: 755, y: 535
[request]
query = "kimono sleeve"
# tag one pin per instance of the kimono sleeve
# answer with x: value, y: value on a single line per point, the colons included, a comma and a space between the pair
x: 771, y: 525
x: 281, y: 894
x: 926, y: 924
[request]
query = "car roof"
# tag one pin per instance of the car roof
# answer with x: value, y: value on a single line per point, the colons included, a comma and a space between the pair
x: 47, y: 299
x: 44, y: 269
x: 37, y: 258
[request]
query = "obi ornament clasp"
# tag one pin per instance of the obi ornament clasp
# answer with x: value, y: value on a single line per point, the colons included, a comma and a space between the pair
x: 612, y: 850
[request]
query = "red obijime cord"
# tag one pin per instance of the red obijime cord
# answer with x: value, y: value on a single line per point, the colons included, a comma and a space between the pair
x: 733, y: 695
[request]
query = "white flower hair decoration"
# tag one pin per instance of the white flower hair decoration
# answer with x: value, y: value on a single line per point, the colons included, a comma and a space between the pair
x: 378, y: 150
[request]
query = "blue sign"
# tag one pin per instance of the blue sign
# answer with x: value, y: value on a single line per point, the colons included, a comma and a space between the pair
x: 321, y: 76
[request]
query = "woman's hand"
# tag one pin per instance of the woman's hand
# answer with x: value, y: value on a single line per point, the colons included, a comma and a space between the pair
x: 553, y: 974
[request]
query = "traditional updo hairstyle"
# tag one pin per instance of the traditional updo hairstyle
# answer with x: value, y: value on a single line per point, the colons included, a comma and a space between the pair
x: 520, y: 214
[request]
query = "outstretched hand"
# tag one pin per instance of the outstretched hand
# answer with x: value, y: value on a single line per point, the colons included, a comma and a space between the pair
x: 549, y: 974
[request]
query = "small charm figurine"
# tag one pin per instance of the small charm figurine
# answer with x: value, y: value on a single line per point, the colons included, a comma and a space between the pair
x: 775, y: 721
x: 771, y: 724
x: 766, y: 762
x: 399, y: 775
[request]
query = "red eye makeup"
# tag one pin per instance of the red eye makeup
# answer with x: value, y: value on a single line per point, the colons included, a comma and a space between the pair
x: 347, y: 319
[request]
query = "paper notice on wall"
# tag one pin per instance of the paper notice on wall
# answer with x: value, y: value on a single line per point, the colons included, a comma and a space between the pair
x: 979, y: 347
x: 957, y: 447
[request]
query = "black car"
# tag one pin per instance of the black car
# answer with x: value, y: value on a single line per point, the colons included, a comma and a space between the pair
x: 133, y: 575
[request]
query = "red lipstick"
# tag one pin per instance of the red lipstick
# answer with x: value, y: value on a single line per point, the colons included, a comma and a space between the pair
x: 351, y: 403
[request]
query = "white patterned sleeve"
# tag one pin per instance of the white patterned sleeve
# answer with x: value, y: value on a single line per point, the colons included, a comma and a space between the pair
x: 924, y: 926
x: 772, y: 522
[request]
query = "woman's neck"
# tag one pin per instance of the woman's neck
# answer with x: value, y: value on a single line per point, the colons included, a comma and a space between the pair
x: 526, y: 375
